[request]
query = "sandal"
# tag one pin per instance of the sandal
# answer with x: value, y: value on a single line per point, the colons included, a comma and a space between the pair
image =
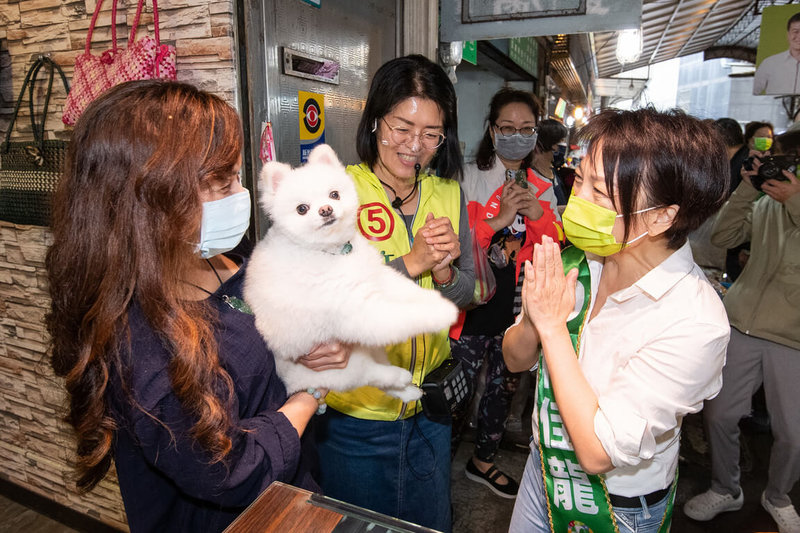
x: 490, y: 477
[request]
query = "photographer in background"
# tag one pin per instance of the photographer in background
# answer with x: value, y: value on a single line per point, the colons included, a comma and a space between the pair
x: 765, y: 337
x: 738, y: 152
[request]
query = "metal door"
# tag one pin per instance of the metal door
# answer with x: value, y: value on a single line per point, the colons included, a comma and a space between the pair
x: 358, y: 34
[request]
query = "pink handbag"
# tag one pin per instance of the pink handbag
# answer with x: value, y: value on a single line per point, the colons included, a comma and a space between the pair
x: 143, y: 59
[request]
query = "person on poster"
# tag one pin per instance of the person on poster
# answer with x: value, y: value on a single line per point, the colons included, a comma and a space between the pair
x: 780, y: 73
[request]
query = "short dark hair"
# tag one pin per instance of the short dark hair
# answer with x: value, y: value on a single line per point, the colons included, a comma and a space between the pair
x: 485, y: 156
x: 550, y: 132
x: 407, y: 77
x: 751, y: 128
x: 788, y: 143
x: 660, y: 158
x: 793, y: 18
x: 730, y: 130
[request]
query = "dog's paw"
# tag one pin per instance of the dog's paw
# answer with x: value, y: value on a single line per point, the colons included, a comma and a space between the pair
x: 403, y: 378
x: 407, y: 394
x: 441, y: 314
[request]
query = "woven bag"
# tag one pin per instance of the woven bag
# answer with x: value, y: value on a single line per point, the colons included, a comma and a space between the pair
x: 144, y: 59
x: 30, y: 169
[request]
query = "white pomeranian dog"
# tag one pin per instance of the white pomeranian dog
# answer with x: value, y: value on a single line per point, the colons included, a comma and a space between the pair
x: 314, y: 278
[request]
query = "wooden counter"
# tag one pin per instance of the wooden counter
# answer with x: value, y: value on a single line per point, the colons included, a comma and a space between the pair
x: 286, y: 509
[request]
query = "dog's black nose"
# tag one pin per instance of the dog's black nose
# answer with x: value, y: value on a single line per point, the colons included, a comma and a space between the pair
x: 325, y: 211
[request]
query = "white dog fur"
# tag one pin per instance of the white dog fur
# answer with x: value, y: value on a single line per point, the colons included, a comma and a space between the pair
x: 304, y: 291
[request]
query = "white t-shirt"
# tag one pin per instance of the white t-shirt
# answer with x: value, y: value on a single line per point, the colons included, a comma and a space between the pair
x: 652, y: 355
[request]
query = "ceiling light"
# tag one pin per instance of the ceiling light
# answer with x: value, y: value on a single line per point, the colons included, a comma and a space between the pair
x: 629, y: 45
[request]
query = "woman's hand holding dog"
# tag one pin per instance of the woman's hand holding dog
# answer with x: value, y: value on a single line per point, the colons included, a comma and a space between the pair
x: 327, y: 356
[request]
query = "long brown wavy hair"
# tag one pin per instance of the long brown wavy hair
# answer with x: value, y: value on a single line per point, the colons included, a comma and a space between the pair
x: 126, y: 218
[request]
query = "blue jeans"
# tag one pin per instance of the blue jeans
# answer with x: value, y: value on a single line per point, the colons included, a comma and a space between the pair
x: 400, y: 468
x: 530, y: 509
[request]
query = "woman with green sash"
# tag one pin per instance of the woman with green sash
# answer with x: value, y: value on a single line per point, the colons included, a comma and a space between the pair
x: 628, y: 334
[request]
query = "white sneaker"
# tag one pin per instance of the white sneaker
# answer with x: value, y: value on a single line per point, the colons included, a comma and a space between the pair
x: 785, y: 517
x: 709, y: 504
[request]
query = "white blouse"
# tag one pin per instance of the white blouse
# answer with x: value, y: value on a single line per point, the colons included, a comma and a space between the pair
x: 653, y: 354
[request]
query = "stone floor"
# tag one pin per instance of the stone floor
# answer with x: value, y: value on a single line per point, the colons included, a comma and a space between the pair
x: 16, y: 518
x: 477, y: 510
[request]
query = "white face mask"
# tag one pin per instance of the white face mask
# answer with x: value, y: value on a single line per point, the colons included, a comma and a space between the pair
x: 224, y: 224
x: 636, y: 213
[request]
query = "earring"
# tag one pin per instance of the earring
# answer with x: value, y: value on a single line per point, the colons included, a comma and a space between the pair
x: 374, y: 125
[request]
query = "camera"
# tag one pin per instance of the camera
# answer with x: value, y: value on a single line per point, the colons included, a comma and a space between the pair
x: 771, y: 169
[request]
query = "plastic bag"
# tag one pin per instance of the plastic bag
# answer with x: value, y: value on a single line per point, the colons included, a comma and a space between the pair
x: 485, y: 283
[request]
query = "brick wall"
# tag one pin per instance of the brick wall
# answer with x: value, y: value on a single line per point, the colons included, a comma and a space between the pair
x: 35, y: 445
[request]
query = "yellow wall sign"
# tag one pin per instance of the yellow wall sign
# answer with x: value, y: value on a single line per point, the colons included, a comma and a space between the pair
x: 311, y: 110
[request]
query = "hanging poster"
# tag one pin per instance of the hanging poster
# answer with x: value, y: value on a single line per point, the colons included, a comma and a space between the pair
x: 311, y: 109
x: 778, y: 58
x: 266, y: 150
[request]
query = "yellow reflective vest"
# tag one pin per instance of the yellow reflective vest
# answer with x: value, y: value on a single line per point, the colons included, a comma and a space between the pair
x: 386, y: 230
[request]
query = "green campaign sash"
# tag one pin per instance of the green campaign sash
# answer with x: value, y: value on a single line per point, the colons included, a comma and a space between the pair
x: 577, y: 502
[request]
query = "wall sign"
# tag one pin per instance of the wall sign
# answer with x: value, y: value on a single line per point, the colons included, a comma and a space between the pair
x: 312, y: 122
x: 524, y: 51
x: 310, y: 67
x: 470, y: 52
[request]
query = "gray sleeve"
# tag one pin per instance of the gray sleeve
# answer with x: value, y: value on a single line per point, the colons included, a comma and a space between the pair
x: 460, y: 293
x: 399, y: 265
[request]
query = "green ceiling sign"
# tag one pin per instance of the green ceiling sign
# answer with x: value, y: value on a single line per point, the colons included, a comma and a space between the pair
x: 470, y: 52
x: 524, y: 51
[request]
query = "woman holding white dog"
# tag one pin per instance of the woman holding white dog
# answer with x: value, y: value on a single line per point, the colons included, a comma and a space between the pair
x: 632, y: 335
x: 376, y: 451
x: 165, y: 370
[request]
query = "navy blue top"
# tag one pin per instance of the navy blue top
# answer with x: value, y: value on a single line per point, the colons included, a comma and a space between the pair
x: 165, y: 478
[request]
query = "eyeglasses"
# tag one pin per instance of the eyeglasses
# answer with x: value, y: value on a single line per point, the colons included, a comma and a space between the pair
x: 508, y: 131
x: 430, y: 140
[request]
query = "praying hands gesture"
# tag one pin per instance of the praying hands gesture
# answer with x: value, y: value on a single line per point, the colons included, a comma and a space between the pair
x: 548, y: 296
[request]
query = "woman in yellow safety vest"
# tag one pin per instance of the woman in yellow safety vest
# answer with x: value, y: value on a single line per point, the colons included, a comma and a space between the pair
x: 375, y: 450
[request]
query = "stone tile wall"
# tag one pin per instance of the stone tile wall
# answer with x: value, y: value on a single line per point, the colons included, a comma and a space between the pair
x: 201, y: 31
x: 35, y: 445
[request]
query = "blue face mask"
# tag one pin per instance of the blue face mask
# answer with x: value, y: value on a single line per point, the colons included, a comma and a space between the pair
x: 224, y: 224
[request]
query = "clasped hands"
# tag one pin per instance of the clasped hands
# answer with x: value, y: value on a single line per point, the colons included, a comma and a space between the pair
x: 435, y: 246
x: 514, y: 199
x: 548, y: 296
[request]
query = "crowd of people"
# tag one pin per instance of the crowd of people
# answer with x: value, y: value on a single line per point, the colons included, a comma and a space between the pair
x: 597, y: 293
